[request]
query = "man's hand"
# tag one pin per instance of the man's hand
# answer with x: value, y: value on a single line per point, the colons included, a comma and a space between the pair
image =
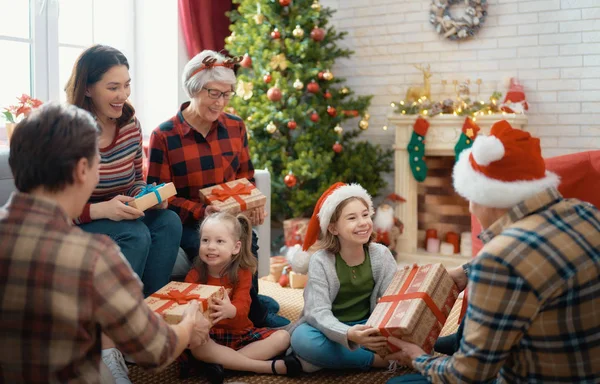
x: 459, y: 277
x: 256, y: 216
x: 222, y: 309
x: 200, y: 332
x: 407, y: 353
x: 366, y: 336
x: 115, y: 209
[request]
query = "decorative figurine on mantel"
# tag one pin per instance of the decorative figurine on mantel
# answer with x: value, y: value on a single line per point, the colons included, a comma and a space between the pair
x: 417, y: 92
x: 387, y: 226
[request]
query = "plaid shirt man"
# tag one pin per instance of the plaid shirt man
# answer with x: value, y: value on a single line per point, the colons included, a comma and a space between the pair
x: 534, y: 299
x: 181, y: 155
x: 60, y: 288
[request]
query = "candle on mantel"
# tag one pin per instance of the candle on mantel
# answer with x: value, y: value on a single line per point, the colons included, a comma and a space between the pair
x: 447, y: 249
x: 430, y: 234
x: 433, y: 245
x: 452, y: 238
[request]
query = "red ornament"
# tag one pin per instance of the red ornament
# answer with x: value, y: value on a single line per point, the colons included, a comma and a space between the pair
x: 313, y: 87
x: 317, y: 34
x: 327, y: 95
x: 337, y: 147
x: 292, y: 124
x: 320, y: 75
x: 274, y: 94
x: 275, y: 34
x: 246, y: 61
x: 290, y: 180
x: 314, y: 117
x: 285, y: 3
x: 331, y: 111
x: 267, y: 78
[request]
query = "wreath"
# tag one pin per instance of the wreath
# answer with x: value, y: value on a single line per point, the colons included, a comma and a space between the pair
x: 457, y: 28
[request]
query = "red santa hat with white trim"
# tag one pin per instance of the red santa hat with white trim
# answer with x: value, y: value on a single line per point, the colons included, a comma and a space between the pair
x: 326, y: 206
x: 502, y: 169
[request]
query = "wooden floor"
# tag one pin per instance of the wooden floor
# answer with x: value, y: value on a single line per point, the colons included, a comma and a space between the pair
x: 291, y: 303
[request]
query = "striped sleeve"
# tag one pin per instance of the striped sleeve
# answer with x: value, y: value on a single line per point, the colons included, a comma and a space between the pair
x: 139, y: 182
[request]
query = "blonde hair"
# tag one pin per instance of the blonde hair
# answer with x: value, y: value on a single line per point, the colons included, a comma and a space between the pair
x: 244, y: 259
x: 329, y: 241
x: 193, y: 83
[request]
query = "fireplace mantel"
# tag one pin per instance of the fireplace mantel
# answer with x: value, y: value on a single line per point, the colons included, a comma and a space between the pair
x: 444, y: 131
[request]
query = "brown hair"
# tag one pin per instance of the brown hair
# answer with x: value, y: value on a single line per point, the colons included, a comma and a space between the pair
x: 89, y: 68
x: 329, y: 241
x: 242, y: 231
x: 47, y: 145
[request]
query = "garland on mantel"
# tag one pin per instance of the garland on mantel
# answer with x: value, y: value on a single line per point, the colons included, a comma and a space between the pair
x: 461, y: 107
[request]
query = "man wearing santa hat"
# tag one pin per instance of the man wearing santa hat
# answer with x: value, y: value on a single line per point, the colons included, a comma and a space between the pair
x: 534, y: 288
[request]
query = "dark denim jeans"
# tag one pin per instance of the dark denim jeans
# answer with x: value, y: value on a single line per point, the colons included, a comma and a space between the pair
x: 150, y: 244
x: 190, y: 243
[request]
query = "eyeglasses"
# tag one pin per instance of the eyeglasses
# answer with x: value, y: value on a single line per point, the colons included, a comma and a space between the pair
x: 216, y: 94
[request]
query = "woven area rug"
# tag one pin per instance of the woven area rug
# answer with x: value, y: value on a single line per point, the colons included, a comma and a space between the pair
x: 291, y: 303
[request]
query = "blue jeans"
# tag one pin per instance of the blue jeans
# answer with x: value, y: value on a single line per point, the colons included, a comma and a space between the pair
x: 313, y: 346
x: 150, y: 244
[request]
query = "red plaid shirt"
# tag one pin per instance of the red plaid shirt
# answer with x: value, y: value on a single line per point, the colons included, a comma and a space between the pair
x: 181, y: 155
x: 60, y: 287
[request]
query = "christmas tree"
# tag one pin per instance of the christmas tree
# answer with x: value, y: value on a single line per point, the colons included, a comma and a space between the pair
x: 293, y: 105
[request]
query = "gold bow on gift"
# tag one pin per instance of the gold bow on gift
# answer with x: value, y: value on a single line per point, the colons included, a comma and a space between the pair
x: 244, y: 89
x: 279, y: 61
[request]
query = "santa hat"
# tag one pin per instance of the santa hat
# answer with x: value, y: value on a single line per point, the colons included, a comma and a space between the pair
x: 502, y: 169
x: 515, y: 94
x: 326, y: 206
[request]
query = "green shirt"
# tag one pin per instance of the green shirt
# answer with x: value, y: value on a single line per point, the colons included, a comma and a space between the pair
x: 356, y: 285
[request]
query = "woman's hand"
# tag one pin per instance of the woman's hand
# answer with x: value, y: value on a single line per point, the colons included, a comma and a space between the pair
x: 115, y: 209
x: 222, y: 309
x: 367, y: 336
x: 200, y: 332
x: 256, y: 216
x: 210, y: 209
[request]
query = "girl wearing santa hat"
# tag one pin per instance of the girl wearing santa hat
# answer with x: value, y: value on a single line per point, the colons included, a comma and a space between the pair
x: 345, y: 278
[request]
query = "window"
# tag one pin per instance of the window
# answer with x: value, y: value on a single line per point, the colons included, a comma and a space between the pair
x: 41, y: 40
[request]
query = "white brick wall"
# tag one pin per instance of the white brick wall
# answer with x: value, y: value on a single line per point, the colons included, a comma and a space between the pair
x: 551, y: 46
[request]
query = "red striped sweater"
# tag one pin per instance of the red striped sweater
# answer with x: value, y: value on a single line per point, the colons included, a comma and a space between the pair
x: 120, y: 168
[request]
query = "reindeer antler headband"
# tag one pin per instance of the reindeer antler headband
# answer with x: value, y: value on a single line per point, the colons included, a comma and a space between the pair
x: 211, y: 62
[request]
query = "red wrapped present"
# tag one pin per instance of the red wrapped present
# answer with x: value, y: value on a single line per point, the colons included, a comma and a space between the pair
x: 415, y: 306
x: 234, y: 197
x: 294, y: 230
x: 171, y: 300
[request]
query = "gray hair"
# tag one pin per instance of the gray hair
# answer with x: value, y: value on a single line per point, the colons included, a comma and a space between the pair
x: 192, y: 84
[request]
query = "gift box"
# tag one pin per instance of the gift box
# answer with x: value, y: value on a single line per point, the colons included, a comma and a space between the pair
x: 234, y: 197
x: 294, y: 230
x: 415, y: 306
x: 152, y: 195
x: 171, y: 300
x: 298, y: 280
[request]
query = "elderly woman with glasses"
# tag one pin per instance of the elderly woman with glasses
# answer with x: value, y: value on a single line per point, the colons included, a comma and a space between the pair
x: 202, y: 146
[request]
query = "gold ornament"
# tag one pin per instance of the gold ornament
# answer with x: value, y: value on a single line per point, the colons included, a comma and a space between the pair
x: 271, y: 127
x: 259, y: 18
x: 298, y: 84
x: 298, y: 32
x: 344, y: 91
x: 338, y: 129
x: 279, y: 61
x: 327, y: 75
x: 250, y: 118
x: 316, y: 6
x: 366, y: 116
x: 363, y: 124
x: 244, y: 89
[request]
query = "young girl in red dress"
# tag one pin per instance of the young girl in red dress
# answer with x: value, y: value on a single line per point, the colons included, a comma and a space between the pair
x: 226, y: 260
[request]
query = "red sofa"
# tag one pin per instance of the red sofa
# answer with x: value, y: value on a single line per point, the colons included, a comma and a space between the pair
x: 579, y: 178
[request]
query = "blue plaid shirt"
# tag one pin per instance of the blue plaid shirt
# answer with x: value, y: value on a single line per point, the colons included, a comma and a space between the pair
x: 534, y: 299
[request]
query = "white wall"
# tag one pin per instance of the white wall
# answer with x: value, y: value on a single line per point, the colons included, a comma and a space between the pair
x: 551, y: 46
x: 155, y: 87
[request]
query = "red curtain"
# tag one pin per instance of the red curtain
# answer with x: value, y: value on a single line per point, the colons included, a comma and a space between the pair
x: 204, y: 24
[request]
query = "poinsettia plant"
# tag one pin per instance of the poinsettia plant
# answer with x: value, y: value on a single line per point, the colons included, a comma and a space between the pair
x: 25, y: 105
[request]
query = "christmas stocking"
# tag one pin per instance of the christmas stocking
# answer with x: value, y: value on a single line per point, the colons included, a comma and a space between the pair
x: 416, y: 149
x: 468, y: 135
